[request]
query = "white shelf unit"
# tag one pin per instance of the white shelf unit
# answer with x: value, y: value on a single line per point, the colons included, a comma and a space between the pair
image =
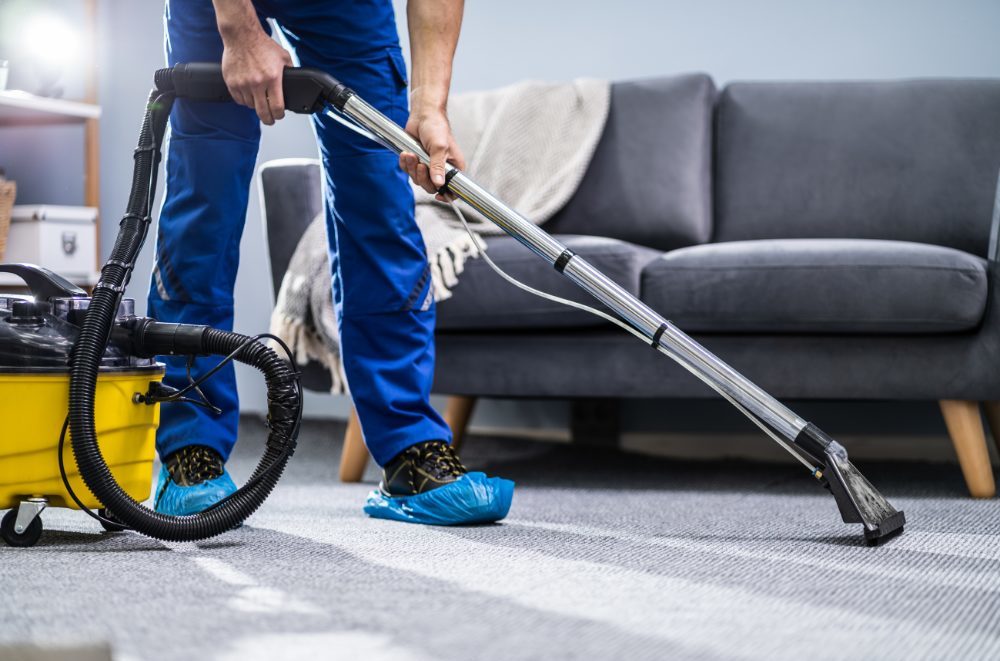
x: 23, y: 109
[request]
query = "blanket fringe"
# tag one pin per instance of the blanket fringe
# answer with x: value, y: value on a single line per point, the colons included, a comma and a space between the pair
x: 307, y: 345
x: 449, y: 262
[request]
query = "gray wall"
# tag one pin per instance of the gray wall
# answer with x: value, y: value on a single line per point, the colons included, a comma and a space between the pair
x: 503, y: 42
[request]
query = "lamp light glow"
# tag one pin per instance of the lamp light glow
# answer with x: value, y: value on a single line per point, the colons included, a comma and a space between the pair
x: 51, y: 41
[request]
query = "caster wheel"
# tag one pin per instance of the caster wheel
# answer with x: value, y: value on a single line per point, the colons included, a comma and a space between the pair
x: 116, y: 526
x: 27, y: 538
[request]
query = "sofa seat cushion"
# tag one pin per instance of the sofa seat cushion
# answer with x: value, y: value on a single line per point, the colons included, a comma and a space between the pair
x: 484, y: 300
x: 818, y: 286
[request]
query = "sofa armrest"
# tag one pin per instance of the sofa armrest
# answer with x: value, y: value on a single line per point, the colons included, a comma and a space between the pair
x: 291, y: 194
x: 993, y: 252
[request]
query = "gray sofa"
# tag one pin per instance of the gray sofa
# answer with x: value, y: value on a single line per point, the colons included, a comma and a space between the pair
x: 830, y: 240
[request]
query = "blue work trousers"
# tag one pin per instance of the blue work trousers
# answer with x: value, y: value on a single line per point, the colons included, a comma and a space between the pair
x: 381, y: 282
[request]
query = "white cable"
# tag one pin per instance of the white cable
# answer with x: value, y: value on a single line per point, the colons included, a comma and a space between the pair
x: 347, y: 122
x: 622, y: 324
x: 531, y: 290
x: 742, y: 409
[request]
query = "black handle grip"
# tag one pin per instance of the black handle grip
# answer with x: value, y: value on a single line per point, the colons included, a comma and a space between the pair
x: 199, y: 81
x: 43, y: 283
x: 306, y: 91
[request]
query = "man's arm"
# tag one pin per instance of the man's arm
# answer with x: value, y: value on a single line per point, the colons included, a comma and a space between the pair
x: 252, y: 63
x: 434, y: 26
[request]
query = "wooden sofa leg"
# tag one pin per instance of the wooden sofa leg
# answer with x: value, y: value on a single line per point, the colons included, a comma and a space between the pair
x: 965, y: 426
x: 992, y: 410
x: 354, y: 456
x: 457, y: 412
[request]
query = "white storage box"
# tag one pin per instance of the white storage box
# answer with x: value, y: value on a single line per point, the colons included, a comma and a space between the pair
x: 63, y: 239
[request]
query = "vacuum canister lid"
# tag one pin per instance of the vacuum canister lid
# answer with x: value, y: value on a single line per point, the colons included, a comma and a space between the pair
x: 38, y: 336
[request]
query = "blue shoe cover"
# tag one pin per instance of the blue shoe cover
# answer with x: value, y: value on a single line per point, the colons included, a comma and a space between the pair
x: 182, y: 501
x: 472, y: 498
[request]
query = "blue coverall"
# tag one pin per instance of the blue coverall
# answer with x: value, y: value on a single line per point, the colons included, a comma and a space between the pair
x: 381, y: 279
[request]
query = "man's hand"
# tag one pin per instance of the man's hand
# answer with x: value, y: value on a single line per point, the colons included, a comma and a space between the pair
x: 434, y: 26
x: 252, y: 63
x: 429, y: 125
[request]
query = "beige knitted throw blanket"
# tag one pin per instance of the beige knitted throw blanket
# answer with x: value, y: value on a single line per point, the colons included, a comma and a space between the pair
x: 529, y: 143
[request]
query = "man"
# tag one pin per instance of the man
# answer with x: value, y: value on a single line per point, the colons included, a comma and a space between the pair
x: 381, y: 283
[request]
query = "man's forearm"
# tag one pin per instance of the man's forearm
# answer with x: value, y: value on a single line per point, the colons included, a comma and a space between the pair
x: 434, y: 26
x: 236, y: 18
x: 252, y: 63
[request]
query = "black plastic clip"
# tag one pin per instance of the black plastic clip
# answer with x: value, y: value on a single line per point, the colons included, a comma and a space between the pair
x: 103, y: 285
x: 134, y: 216
x: 447, y: 180
x: 563, y: 260
x: 657, y: 335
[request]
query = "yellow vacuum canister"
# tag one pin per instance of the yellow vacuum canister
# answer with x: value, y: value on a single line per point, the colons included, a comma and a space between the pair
x: 36, y: 338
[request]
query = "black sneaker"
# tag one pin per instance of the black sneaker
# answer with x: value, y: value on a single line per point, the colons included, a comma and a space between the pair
x: 193, y: 465
x: 191, y: 480
x: 421, y: 467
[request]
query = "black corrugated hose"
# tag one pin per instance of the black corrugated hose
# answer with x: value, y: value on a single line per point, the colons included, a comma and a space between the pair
x: 283, y: 390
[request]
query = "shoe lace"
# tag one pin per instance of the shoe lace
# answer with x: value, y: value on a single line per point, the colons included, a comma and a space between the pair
x: 437, y: 458
x: 195, y: 464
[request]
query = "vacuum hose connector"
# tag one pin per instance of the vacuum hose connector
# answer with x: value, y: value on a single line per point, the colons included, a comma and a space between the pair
x: 147, y: 338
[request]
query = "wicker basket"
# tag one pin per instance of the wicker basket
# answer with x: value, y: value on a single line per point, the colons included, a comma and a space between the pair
x: 8, y: 190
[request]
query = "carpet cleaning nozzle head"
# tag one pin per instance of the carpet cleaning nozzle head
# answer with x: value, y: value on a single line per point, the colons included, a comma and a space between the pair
x: 857, y: 499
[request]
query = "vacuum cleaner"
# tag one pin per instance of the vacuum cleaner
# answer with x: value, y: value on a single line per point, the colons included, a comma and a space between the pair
x: 106, y: 327
x: 82, y: 367
x: 313, y: 91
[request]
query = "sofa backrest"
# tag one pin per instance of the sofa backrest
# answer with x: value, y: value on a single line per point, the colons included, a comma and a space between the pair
x: 649, y: 181
x: 906, y: 160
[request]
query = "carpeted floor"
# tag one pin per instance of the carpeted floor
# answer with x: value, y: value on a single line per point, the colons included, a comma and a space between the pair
x: 605, y: 555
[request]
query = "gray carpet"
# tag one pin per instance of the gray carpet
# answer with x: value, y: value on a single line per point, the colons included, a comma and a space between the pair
x: 605, y: 555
